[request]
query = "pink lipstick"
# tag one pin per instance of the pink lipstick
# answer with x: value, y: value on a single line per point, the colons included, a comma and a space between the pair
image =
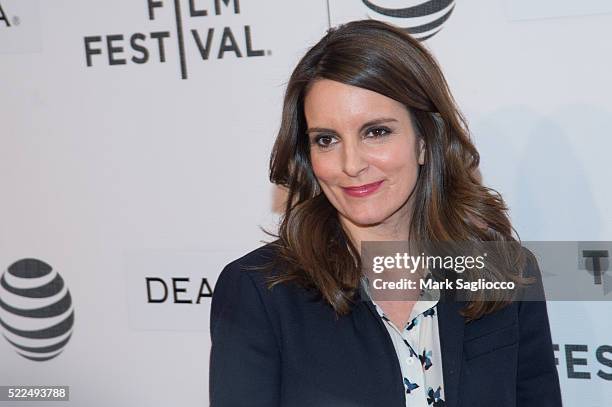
x: 362, y: 190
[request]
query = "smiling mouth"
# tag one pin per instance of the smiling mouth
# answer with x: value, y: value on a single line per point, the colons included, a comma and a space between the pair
x: 362, y: 190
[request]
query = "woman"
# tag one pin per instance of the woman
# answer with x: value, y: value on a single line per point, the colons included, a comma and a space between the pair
x: 372, y: 148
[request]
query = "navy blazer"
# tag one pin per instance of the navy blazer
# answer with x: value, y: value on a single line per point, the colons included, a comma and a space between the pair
x: 285, y: 347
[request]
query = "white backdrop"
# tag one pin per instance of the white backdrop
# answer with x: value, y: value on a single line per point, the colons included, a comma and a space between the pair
x: 138, y: 177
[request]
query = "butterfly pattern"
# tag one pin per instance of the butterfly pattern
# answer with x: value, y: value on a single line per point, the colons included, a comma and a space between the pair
x: 425, y: 359
x: 418, y: 350
x: 433, y: 397
x: 410, y: 386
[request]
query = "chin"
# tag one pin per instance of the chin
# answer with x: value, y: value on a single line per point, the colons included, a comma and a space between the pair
x: 365, y: 219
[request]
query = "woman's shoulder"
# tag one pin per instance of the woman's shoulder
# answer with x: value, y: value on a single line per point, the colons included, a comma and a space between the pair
x: 263, y: 258
x: 239, y: 297
x: 258, y: 276
x: 251, y: 269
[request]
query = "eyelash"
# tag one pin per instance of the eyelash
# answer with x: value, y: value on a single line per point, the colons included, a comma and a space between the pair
x: 319, y: 137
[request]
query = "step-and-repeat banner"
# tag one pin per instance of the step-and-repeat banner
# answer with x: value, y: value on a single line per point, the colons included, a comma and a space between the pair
x: 134, y: 143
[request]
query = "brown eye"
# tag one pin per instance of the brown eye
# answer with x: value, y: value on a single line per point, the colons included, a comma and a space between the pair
x: 379, y: 132
x: 324, y: 141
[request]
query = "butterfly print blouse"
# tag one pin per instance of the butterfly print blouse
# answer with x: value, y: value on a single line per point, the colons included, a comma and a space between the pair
x: 417, y: 345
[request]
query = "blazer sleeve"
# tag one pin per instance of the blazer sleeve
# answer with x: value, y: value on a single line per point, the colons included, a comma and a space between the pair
x: 538, y: 379
x: 245, y: 356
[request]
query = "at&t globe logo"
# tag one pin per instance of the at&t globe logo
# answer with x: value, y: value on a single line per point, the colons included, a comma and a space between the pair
x: 421, y: 18
x: 36, y: 311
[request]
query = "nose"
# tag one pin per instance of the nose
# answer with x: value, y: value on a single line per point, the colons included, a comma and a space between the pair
x: 354, y: 160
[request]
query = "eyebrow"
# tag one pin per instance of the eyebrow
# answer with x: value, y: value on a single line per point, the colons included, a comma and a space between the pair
x: 367, y: 124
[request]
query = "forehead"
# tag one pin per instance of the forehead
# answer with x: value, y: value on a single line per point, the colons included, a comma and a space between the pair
x: 333, y: 103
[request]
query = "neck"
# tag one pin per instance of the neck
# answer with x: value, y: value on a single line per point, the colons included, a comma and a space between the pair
x: 390, y: 230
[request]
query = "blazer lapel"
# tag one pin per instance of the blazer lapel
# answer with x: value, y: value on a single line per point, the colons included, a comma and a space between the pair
x: 450, y: 326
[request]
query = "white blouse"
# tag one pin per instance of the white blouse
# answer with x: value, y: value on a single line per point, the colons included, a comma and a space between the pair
x: 418, y: 350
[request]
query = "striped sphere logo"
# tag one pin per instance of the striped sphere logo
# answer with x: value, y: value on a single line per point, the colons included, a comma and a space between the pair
x: 423, y: 19
x: 36, y: 309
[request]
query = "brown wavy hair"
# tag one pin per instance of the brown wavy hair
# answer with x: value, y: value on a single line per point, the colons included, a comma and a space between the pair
x: 450, y: 202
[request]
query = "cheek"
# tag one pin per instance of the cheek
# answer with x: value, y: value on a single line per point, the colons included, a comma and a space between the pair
x: 322, y: 167
x: 399, y: 159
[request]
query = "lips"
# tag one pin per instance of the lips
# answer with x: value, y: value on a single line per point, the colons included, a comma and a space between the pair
x: 362, y: 190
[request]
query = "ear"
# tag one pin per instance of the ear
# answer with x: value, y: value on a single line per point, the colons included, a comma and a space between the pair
x: 421, y: 151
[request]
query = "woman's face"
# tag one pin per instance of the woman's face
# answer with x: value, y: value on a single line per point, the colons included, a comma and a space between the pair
x: 360, y: 138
